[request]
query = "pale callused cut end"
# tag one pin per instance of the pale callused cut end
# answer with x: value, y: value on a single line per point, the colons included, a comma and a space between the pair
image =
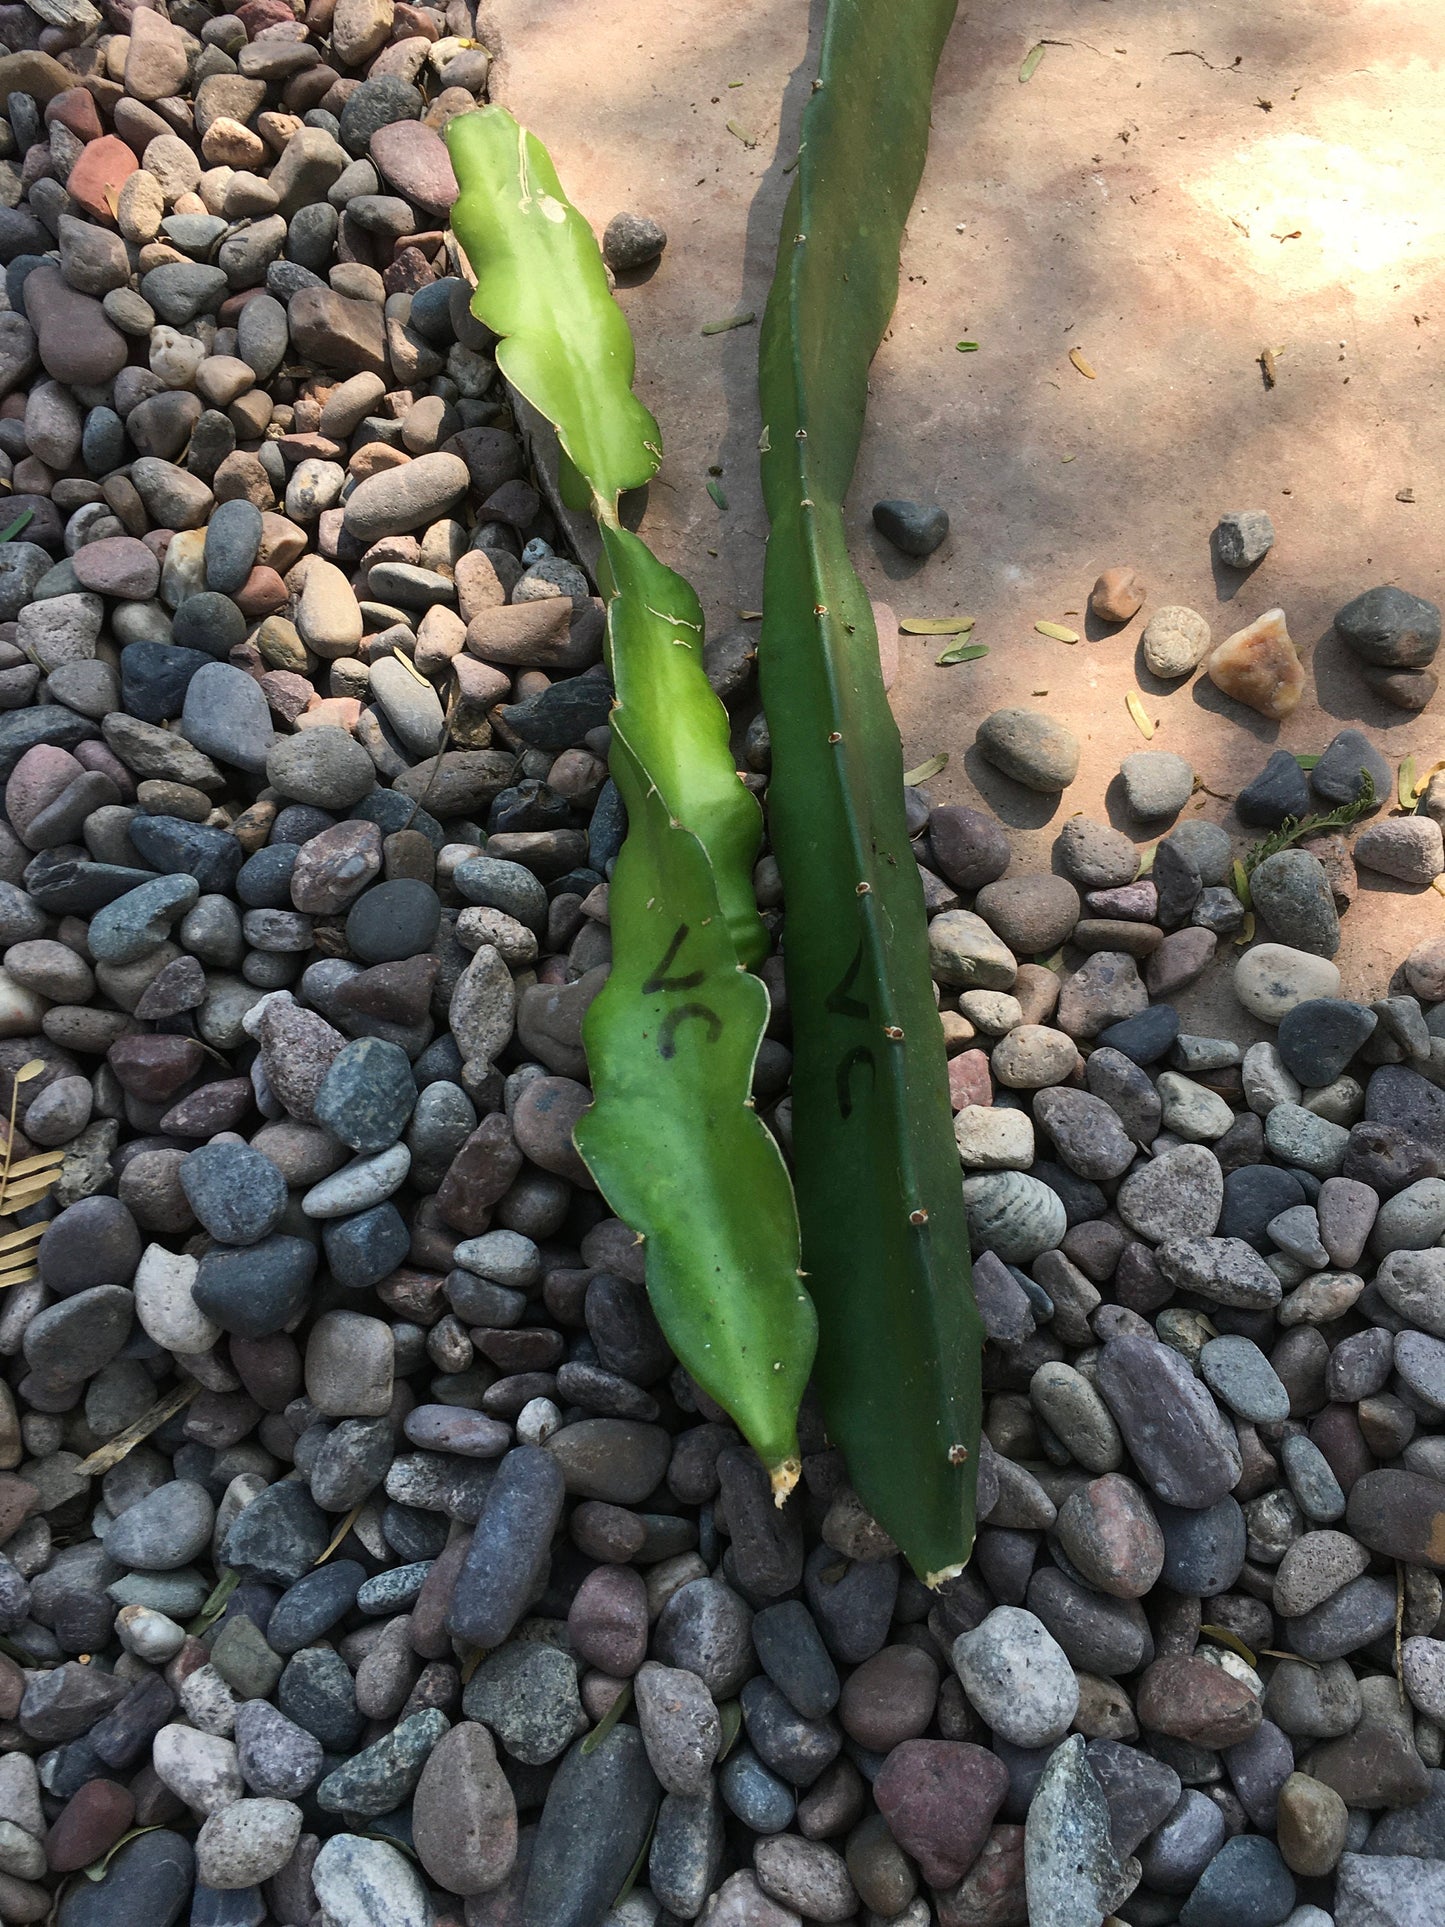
x: 783, y: 1477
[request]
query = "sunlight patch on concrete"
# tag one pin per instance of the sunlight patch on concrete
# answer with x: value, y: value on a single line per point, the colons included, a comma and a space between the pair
x: 1356, y: 213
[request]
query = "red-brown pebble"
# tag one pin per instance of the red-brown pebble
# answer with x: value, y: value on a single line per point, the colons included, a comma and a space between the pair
x: 89, y: 1824
x: 939, y: 1798
x: 1190, y: 1698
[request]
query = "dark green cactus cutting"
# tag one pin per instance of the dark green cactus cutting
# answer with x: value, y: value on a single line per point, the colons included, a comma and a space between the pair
x: 884, y: 1236
x: 672, y: 1040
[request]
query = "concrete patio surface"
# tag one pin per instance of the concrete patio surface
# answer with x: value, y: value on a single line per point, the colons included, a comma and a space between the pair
x: 1174, y: 189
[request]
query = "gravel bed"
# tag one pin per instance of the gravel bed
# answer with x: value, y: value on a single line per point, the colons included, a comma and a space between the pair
x: 366, y: 1560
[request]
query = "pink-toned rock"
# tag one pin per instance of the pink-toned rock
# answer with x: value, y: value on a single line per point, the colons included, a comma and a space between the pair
x: 479, y: 586
x: 607, y: 1624
x: 88, y: 1825
x: 939, y: 1798
x: 155, y: 1067
x: 741, y: 1902
x: 1179, y: 961
x: 1117, y: 595
x: 414, y: 160
x: 42, y: 774
x: 1259, y: 666
x: 332, y: 712
x: 297, y: 1047
x: 479, y: 1175
x: 349, y: 336
x: 546, y: 1112
x: 1424, y: 969
x: 991, y: 1893
x: 156, y: 60
x: 101, y: 757
x: 96, y: 179
x: 335, y: 867
x: 969, y: 1079
x: 1187, y: 1697
x: 532, y: 635
x: 75, y: 109
x: 118, y: 565
x: 1133, y: 902
x: 288, y: 694
x: 479, y: 688
x: 77, y: 343
x: 1109, y: 1532
x: 214, y: 1107
x: 262, y: 593
x: 359, y: 29
x: 62, y: 818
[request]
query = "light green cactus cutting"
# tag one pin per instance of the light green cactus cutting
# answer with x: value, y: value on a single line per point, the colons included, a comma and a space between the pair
x: 671, y: 1139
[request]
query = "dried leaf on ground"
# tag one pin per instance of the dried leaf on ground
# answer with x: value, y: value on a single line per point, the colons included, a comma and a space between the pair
x: 1030, y: 62
x: 114, y: 1450
x: 936, y: 625
x: 962, y: 652
x: 1056, y: 632
x: 934, y: 766
x: 1142, y: 720
x: 1077, y: 356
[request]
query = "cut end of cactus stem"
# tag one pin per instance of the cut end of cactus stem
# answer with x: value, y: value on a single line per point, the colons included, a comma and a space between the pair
x: 933, y: 1580
x: 784, y: 1476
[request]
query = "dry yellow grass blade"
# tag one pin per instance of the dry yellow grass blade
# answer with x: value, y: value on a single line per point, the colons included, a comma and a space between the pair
x: 340, y: 1533
x: 114, y: 1450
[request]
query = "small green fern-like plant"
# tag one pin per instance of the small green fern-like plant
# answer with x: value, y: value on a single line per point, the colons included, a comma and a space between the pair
x: 1295, y: 828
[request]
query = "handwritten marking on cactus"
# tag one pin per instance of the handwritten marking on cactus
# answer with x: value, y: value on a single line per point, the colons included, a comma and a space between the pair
x: 859, y: 1056
x: 667, y: 1037
x: 1076, y: 355
x: 840, y: 1002
x: 660, y: 981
